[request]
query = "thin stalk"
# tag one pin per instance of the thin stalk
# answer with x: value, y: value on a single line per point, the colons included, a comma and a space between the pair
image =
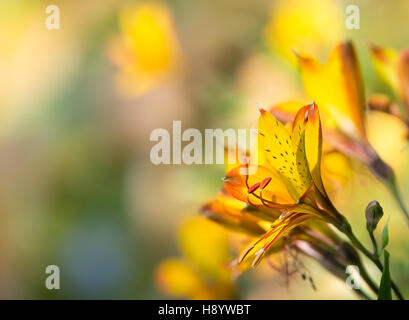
x: 364, y: 274
x: 374, y: 244
x: 373, y: 258
x: 386, y: 174
x: 363, y: 294
x: 392, y: 187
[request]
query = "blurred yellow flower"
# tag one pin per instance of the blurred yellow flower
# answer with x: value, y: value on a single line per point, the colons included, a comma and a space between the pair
x: 176, y: 277
x: 393, y: 68
x: 203, y: 271
x: 310, y: 25
x: 338, y: 88
x: 147, y: 50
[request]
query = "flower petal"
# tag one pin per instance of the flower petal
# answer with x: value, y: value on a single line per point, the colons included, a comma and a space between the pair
x: 286, y: 111
x: 385, y: 61
x: 177, y: 278
x: 313, y: 145
x: 337, y: 88
x: 403, y: 73
x: 277, y: 144
x: 238, y: 184
x: 231, y: 213
x: 205, y: 244
x: 272, y: 238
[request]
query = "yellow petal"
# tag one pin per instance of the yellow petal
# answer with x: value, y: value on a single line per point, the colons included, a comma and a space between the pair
x: 393, y: 68
x: 337, y: 88
x: 149, y: 45
x: 384, y: 128
x: 336, y: 171
x: 272, y: 239
x: 238, y: 184
x: 176, y: 277
x: 205, y: 244
x: 283, y: 155
x: 231, y: 213
x: 313, y: 145
x: 385, y: 61
x: 403, y: 73
x: 303, y: 24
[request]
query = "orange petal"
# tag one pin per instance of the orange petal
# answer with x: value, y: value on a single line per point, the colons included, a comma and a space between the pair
x: 231, y: 213
x: 238, y: 185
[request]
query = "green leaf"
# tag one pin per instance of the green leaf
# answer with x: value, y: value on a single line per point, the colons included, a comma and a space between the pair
x: 385, y: 292
x: 385, y: 238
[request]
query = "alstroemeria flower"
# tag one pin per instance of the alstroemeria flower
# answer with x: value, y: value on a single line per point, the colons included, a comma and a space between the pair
x: 147, y: 50
x: 338, y: 88
x: 294, y: 25
x: 393, y: 68
x: 287, y: 186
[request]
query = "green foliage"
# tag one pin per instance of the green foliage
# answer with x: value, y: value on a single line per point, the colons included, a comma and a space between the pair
x: 385, y: 286
x: 385, y: 238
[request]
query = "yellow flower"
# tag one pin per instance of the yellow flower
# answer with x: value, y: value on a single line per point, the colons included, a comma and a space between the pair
x: 303, y: 24
x: 393, y: 68
x: 147, y: 50
x: 202, y: 272
x: 337, y: 88
x: 286, y: 184
x: 279, y: 200
x: 336, y: 167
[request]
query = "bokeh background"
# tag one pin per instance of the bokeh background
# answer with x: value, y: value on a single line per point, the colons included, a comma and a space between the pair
x: 77, y: 188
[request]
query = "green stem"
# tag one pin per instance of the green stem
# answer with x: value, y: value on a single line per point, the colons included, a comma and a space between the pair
x: 396, y: 195
x: 386, y: 174
x: 364, y: 274
x: 373, y: 258
x: 363, y: 294
x: 374, y: 244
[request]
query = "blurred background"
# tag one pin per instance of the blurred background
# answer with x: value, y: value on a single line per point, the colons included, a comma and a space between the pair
x: 78, y: 104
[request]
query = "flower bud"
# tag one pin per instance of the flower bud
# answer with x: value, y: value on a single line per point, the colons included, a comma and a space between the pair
x: 373, y: 213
